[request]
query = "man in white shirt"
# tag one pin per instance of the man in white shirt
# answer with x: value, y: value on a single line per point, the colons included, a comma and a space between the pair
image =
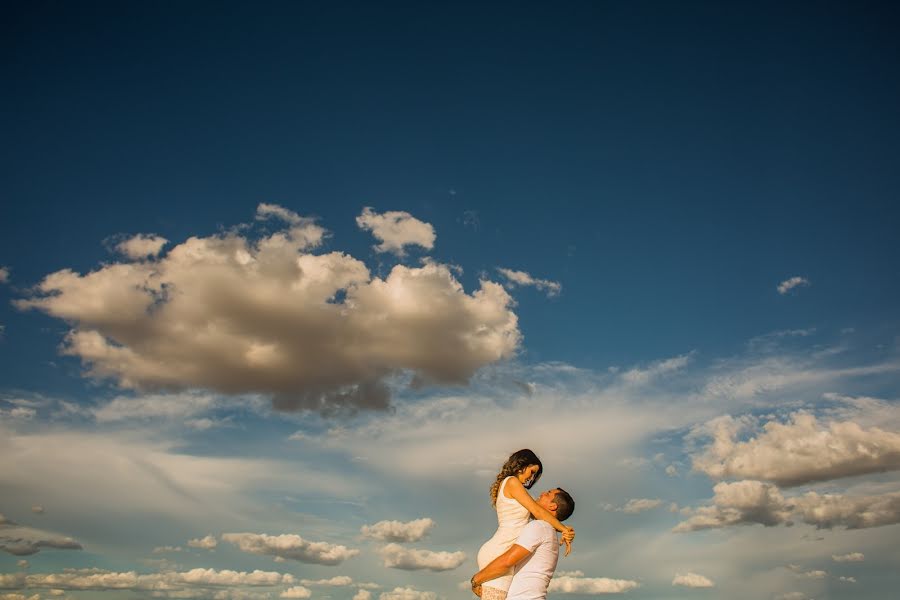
x: 534, y: 554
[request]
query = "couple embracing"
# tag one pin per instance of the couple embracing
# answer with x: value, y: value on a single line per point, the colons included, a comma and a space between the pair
x: 518, y: 562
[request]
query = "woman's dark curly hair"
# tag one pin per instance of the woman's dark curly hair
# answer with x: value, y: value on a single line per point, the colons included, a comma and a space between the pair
x: 515, y: 464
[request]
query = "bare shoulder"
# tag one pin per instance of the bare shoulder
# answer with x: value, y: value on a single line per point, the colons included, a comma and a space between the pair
x: 512, y: 484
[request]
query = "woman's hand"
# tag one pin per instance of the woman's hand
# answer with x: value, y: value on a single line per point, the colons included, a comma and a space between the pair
x: 567, y: 537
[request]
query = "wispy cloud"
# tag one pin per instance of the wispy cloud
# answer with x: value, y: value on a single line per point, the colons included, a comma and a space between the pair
x: 793, y: 282
x: 21, y: 540
x: 521, y: 278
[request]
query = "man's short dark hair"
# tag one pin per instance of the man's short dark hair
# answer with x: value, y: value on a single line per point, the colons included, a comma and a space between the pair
x: 565, y: 505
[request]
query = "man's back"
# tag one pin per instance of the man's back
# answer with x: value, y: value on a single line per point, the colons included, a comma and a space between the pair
x: 533, y: 575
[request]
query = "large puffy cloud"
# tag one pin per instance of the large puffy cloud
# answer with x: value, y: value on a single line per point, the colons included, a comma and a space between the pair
x: 799, y: 451
x: 741, y: 502
x: 396, y: 229
x: 576, y: 583
x: 293, y: 547
x: 397, y: 557
x: 298, y: 591
x: 692, y: 580
x: 398, y: 531
x: 551, y: 288
x: 756, y: 502
x: 826, y: 511
x: 23, y: 541
x: 237, y: 315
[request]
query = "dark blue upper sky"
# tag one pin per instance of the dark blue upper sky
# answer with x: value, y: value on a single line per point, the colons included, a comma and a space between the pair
x: 668, y: 163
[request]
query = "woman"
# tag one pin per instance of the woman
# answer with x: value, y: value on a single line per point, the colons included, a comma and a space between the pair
x: 509, y: 494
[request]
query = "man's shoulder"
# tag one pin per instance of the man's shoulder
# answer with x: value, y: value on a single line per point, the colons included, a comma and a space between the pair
x: 540, y: 527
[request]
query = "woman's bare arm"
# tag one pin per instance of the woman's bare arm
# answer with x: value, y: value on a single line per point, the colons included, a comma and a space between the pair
x: 515, y: 490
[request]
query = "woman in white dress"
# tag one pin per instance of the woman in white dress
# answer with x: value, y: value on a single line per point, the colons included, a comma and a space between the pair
x: 509, y: 494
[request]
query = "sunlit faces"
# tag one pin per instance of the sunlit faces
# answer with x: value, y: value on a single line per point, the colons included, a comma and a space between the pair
x: 528, y: 474
x: 548, y: 499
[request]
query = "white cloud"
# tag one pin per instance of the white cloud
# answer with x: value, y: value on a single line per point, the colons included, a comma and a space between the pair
x: 20, y: 540
x: 826, y: 511
x: 336, y: 581
x: 37, y: 509
x: 521, y: 278
x: 16, y: 596
x: 298, y: 591
x: 167, y: 549
x: 398, y: 557
x: 741, y: 502
x: 4, y: 274
x: 672, y: 471
x: 407, y: 593
x: 22, y: 564
x: 847, y: 579
x: 141, y: 246
x: 19, y: 413
x: 396, y: 229
x: 788, y: 284
x: 362, y: 595
x: 12, y: 581
x: 291, y: 547
x: 799, y: 451
x: 397, y: 531
x: 755, y: 502
x: 692, y: 580
x: 637, y: 376
x: 851, y: 557
x: 152, y: 406
x: 576, y: 584
x: 240, y: 315
x: 207, y: 543
x: 637, y: 505
x: 93, y: 579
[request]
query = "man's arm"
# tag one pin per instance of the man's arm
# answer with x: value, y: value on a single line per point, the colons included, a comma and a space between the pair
x: 499, y: 566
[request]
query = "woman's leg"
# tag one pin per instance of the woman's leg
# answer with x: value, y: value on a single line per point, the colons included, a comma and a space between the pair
x: 489, y: 593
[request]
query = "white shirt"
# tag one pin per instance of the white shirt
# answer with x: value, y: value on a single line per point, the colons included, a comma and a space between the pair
x: 533, y: 574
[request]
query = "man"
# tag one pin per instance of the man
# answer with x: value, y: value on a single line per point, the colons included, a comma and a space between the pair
x: 534, y: 554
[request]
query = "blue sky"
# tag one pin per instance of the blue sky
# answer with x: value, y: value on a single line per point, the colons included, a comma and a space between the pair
x: 295, y: 270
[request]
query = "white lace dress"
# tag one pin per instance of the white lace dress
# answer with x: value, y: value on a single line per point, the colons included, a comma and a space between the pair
x: 511, y: 518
